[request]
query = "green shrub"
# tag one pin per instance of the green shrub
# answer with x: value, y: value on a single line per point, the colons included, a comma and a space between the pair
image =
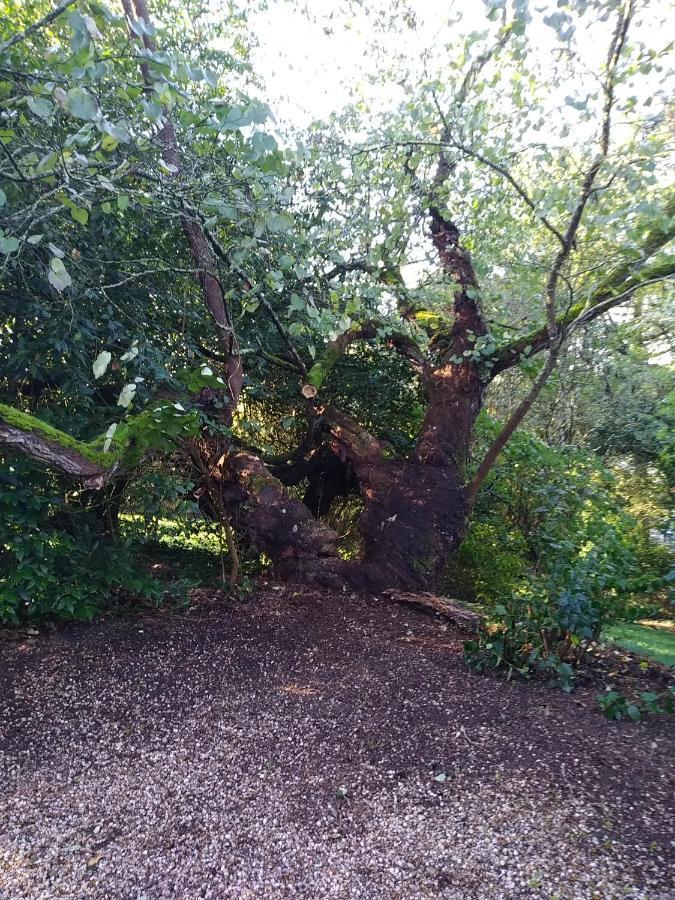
x: 614, y: 705
x: 57, y: 559
x: 553, y: 557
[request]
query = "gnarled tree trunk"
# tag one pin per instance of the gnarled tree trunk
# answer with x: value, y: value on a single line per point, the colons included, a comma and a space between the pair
x: 415, y: 509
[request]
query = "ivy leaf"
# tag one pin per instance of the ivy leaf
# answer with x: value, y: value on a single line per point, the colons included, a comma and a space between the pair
x: 101, y: 363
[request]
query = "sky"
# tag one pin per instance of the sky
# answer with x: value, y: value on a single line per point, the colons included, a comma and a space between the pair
x: 315, y: 56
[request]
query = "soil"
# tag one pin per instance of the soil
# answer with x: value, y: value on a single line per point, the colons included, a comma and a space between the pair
x: 304, y: 744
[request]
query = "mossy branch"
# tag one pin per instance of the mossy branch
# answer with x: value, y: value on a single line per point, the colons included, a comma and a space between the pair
x: 402, y: 343
x: 616, y: 288
x: 132, y: 441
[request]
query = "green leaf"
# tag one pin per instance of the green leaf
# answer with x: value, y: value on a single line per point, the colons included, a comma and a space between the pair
x: 8, y: 244
x: 278, y: 222
x: 79, y: 214
x: 109, y: 143
x: 122, y: 202
x: 82, y: 105
x: 41, y: 107
x: 633, y: 712
x: 3, y: 197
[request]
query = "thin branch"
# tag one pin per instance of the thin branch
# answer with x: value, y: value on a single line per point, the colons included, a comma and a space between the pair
x: 36, y: 26
x: 613, y: 290
x: 552, y: 327
x: 518, y: 188
x: 283, y: 334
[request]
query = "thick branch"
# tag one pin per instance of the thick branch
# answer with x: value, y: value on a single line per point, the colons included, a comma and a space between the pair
x: 614, y: 290
x: 402, y: 343
x: 49, y: 445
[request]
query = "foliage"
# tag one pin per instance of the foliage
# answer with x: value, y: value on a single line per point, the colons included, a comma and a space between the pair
x: 56, y: 559
x: 614, y: 705
x: 106, y: 345
x: 556, y: 558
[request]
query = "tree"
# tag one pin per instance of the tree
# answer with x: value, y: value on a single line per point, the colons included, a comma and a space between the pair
x: 303, y: 263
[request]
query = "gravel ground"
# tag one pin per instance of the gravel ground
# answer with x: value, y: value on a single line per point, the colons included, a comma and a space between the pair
x: 315, y: 747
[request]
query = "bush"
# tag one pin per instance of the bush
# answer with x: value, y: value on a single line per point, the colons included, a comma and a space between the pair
x: 614, y: 705
x: 57, y: 558
x: 553, y: 556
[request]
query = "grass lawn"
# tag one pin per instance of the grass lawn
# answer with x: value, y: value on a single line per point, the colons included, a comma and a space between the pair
x: 655, y: 643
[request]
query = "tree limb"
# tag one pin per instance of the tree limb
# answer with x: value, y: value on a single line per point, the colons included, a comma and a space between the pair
x: 197, y: 239
x: 616, y: 288
x: 49, y: 445
x: 402, y: 343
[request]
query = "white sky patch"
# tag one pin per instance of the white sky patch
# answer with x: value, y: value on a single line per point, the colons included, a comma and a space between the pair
x: 316, y: 57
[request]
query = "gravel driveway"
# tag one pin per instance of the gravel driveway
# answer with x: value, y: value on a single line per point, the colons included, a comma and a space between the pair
x: 302, y: 745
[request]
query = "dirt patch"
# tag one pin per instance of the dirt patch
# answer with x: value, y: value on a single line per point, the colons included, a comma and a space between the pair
x: 312, y: 745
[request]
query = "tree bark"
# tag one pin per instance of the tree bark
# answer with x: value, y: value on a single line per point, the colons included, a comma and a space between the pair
x: 65, y: 459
